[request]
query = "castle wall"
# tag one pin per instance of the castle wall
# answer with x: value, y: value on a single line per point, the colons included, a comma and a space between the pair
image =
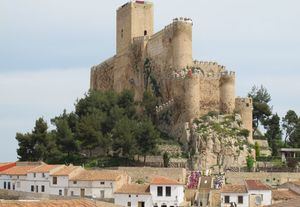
x: 244, y: 106
x: 171, y: 48
x: 102, y: 76
x: 182, y: 44
x: 227, y: 92
x: 209, y: 97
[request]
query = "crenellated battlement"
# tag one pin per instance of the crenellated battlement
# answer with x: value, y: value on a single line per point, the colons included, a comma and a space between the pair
x: 243, y: 102
x: 164, y: 106
x: 183, y: 19
x: 227, y: 74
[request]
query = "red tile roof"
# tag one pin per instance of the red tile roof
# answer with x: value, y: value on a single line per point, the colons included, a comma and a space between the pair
x: 44, y: 168
x: 234, y: 189
x: 17, y: 170
x: 289, y: 203
x: 134, y: 189
x: 6, y: 165
x: 94, y: 175
x: 283, y: 194
x: 56, y: 203
x: 65, y: 171
x: 256, y: 185
x: 159, y: 180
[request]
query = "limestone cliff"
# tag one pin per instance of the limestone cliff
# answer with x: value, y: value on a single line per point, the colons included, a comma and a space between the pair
x: 219, y: 141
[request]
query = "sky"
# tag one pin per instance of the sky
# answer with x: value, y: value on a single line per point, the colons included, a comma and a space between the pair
x: 48, y: 47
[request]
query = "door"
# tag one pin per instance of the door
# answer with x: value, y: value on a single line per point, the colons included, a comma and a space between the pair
x: 82, y: 192
x: 141, y: 204
x: 101, y: 193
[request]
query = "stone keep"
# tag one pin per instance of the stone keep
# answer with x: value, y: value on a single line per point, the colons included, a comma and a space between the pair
x: 195, y: 87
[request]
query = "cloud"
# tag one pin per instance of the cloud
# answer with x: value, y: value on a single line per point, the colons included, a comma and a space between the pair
x: 27, y: 95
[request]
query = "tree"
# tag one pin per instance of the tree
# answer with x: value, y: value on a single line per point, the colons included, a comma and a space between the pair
x: 261, y: 107
x: 273, y: 133
x: 257, y: 149
x: 124, y: 140
x: 89, y: 132
x: 65, y: 140
x: 147, y: 137
x: 294, y: 139
x: 166, y: 158
x: 250, y: 162
x: 289, y: 123
x: 33, y: 146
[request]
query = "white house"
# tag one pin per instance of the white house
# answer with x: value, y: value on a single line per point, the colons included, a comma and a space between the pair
x: 234, y: 194
x: 38, y: 178
x: 15, y: 178
x: 166, y: 192
x: 162, y: 192
x: 97, y: 183
x: 59, y: 180
x: 134, y: 195
x: 252, y: 193
x: 259, y: 193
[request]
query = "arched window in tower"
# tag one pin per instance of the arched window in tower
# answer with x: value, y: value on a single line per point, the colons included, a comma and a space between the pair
x: 145, y: 32
x: 122, y: 33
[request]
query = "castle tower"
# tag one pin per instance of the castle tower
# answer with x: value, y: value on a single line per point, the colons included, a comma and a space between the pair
x: 182, y: 43
x: 134, y: 19
x: 244, y: 106
x: 227, y: 92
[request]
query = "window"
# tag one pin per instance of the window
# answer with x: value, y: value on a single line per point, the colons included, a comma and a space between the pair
x: 102, y: 183
x: 74, y: 182
x: 4, y: 185
x: 32, y: 188
x: 8, y: 185
x: 54, y: 181
x: 60, y: 192
x: 129, y: 196
x: 227, y: 199
x: 14, y: 187
x: 159, y: 191
x: 122, y: 33
x: 34, y: 175
x: 145, y: 32
x: 240, y: 199
x: 72, y: 193
x: 128, y: 203
x: 37, y: 188
x: 168, y: 191
x: 43, y: 188
x: 137, y: 196
x: 43, y: 175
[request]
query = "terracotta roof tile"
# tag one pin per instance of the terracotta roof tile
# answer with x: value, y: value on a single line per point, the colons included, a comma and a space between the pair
x: 290, y: 203
x: 6, y: 163
x: 159, y: 180
x: 65, y: 171
x: 90, y: 175
x: 56, y: 203
x: 256, y: 185
x: 283, y: 194
x: 234, y: 189
x: 134, y: 189
x: 17, y: 170
x: 44, y: 168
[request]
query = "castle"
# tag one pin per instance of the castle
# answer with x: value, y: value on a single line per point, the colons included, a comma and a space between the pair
x: 194, y: 87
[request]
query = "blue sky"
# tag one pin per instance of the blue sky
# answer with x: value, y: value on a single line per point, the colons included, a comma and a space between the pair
x: 47, y: 48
